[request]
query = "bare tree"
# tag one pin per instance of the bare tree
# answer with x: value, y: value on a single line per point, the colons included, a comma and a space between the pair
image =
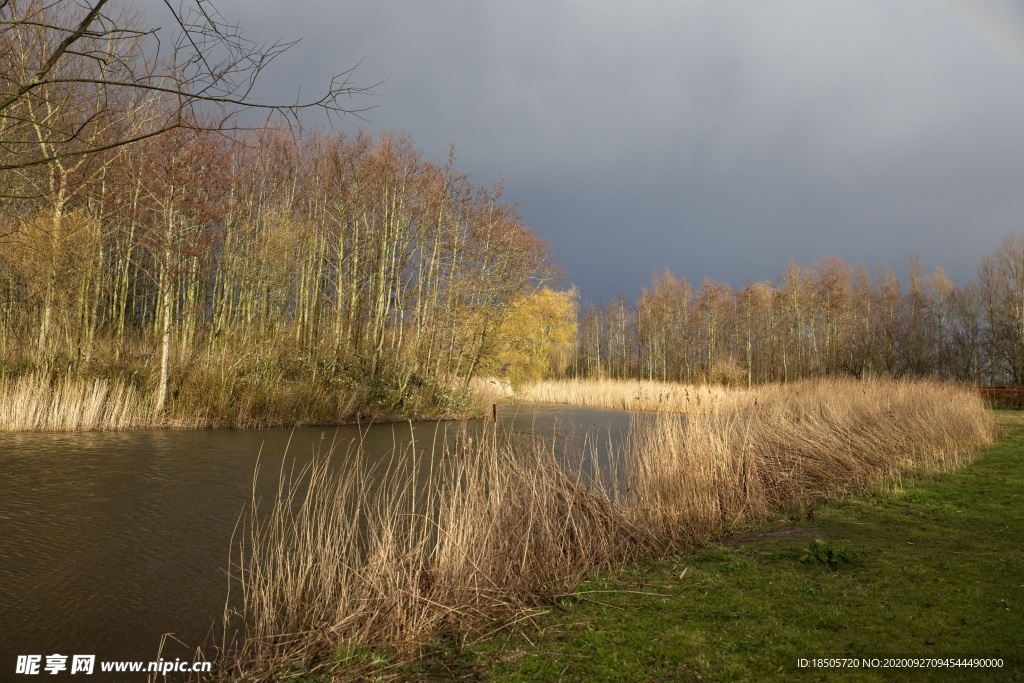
x: 139, y: 84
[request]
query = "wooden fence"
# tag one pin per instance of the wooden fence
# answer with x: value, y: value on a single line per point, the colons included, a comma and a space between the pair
x: 1003, y: 396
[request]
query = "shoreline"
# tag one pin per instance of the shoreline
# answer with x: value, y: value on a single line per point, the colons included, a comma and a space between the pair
x: 38, y: 403
x: 165, y: 426
x: 924, y: 574
x: 483, y: 559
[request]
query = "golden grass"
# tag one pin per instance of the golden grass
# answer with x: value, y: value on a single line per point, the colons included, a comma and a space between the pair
x: 346, y: 562
x: 696, y: 476
x: 638, y: 395
x: 34, y: 403
x: 353, y: 564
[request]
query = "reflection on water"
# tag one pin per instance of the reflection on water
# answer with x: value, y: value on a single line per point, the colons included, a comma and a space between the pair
x: 109, y: 540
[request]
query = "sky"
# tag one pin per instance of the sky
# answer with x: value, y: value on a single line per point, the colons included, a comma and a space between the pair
x: 717, y: 138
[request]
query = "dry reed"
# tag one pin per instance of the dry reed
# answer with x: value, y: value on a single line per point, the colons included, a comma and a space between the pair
x: 638, y: 395
x: 34, y: 403
x: 699, y: 475
x: 349, y: 563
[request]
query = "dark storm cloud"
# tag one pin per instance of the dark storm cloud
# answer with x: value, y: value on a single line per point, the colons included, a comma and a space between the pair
x: 717, y: 138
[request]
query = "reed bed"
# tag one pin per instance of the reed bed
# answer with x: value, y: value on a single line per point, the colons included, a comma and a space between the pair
x: 638, y: 395
x: 350, y: 561
x: 35, y: 403
x: 39, y: 402
x: 349, y: 566
x: 696, y: 476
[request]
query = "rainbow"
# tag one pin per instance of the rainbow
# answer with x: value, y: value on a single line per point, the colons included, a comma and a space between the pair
x: 1000, y: 23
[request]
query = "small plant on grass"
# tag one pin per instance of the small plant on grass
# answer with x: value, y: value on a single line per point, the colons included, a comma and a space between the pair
x: 824, y: 552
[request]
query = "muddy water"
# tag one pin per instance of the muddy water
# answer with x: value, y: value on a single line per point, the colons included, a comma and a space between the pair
x: 110, y: 540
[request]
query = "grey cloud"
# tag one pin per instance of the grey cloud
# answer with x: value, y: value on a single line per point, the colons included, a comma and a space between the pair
x: 717, y: 138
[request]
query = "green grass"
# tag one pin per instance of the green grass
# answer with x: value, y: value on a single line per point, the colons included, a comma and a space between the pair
x: 932, y: 567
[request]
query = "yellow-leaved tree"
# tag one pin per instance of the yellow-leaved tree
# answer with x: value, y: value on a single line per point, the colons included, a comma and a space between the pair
x: 538, y: 336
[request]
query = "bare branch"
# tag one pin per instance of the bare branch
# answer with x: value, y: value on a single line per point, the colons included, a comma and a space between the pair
x: 100, y: 69
x: 40, y: 75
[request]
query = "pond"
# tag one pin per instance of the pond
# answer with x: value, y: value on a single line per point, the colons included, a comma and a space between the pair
x: 110, y: 540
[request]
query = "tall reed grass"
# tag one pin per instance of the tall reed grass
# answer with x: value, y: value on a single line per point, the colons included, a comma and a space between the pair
x: 35, y: 403
x: 698, y: 475
x: 350, y: 560
x: 201, y: 399
x: 346, y: 563
x: 638, y: 395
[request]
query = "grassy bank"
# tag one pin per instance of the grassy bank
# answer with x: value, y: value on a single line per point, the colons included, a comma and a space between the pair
x: 348, y: 576
x: 41, y: 401
x: 928, y: 567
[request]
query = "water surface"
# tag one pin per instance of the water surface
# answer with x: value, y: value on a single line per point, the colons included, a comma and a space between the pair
x: 109, y: 540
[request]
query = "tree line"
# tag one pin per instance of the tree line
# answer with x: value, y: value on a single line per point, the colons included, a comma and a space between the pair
x: 256, y: 273
x: 821, y: 320
x: 343, y: 258
x: 266, y: 274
